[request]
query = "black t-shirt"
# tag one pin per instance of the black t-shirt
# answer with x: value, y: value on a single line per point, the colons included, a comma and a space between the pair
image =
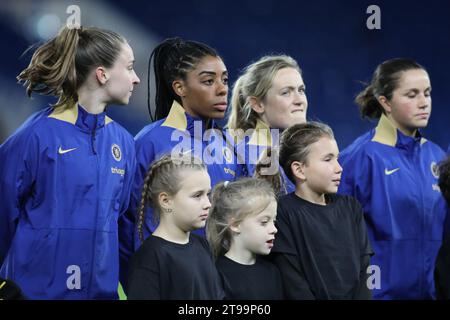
x: 442, y: 270
x: 161, y: 269
x: 10, y: 290
x: 322, y: 251
x: 259, y: 281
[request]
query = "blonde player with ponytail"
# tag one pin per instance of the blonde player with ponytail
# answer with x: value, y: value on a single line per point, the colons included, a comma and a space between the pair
x: 65, y: 174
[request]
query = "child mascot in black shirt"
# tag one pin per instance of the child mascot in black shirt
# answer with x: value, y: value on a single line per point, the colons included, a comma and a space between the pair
x: 173, y: 263
x: 240, y: 230
x: 442, y: 269
x: 322, y: 248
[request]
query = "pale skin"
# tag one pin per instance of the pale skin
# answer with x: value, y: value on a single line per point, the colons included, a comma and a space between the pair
x: 409, y: 108
x: 321, y: 174
x: 186, y: 210
x: 109, y: 85
x: 285, y: 103
x: 253, y: 236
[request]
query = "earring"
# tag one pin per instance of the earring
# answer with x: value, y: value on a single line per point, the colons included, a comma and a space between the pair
x: 169, y: 210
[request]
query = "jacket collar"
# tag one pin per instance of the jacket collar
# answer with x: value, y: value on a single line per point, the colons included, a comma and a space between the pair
x: 78, y: 116
x: 386, y: 133
x: 180, y: 120
x: 261, y: 135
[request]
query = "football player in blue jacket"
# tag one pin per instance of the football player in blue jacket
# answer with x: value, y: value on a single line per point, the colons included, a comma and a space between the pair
x: 268, y: 98
x: 191, y: 93
x: 392, y: 171
x: 66, y: 173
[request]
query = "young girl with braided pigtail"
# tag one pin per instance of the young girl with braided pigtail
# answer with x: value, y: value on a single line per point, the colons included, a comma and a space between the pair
x: 173, y: 263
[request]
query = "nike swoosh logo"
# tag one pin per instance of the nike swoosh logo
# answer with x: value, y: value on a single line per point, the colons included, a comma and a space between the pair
x: 187, y: 152
x: 389, y: 172
x: 61, y: 151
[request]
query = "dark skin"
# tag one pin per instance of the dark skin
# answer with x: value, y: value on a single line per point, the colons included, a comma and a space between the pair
x: 204, y: 91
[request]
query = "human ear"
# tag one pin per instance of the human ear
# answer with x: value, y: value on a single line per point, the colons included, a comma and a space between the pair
x: 235, y: 226
x: 298, y: 170
x: 256, y: 105
x: 165, y: 201
x: 102, y: 75
x: 384, y: 102
x: 179, y: 88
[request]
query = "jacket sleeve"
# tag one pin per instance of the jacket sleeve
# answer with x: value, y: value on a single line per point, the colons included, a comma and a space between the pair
x: 18, y: 162
x: 145, y: 155
x: 363, y: 292
x: 356, y: 179
x: 126, y: 220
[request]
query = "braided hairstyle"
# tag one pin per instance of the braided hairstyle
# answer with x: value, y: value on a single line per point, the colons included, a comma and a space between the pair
x: 172, y: 60
x: 163, y: 176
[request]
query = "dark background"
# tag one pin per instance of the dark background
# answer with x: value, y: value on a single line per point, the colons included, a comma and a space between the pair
x: 329, y: 39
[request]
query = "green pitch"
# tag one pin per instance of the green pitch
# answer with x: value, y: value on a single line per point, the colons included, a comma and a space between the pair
x: 122, y: 295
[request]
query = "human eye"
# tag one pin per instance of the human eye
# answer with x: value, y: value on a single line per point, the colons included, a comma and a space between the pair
x: 411, y: 94
x: 197, y: 195
x: 225, y: 80
x: 208, y: 82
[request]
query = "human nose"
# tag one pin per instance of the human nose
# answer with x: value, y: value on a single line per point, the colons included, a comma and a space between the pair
x: 207, y: 204
x: 424, y: 101
x: 299, y: 98
x: 273, y: 229
x: 338, y: 168
x: 136, y: 79
x: 222, y: 89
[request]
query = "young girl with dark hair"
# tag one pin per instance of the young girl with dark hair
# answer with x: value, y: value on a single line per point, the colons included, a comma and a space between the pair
x: 322, y: 248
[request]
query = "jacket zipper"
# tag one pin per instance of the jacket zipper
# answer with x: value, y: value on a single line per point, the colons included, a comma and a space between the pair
x: 93, y: 136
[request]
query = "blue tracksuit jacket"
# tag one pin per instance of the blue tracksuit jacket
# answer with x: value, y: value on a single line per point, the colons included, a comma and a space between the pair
x: 394, y: 177
x: 65, y: 178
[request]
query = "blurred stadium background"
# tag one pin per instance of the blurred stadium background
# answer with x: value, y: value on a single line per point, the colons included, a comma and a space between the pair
x: 328, y: 38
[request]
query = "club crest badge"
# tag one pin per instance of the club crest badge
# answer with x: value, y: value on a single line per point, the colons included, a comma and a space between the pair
x: 116, y: 152
x: 435, y: 170
x: 227, y: 154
